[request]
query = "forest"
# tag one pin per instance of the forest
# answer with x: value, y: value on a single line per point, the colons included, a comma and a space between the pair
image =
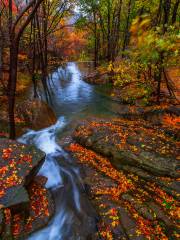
x: 89, y: 119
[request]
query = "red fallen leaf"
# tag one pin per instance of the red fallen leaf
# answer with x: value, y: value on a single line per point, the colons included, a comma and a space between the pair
x: 7, y: 213
x: 2, y: 193
x: 25, y: 159
x: 47, y: 213
x: 6, y: 153
x: 171, y: 121
x: 28, y: 226
x: 16, y: 227
x: 3, y: 170
x: 113, y: 211
x: 39, y: 208
x: 103, y: 165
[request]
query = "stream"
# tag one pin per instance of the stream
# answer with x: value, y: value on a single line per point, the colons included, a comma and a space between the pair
x: 72, y: 100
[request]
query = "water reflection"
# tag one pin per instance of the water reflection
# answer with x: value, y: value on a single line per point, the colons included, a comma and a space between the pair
x: 72, y: 98
x: 70, y: 93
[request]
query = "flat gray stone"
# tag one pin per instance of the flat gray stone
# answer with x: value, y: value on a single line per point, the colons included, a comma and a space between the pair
x: 19, y: 164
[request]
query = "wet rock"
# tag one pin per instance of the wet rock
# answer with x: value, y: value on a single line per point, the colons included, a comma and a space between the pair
x: 131, y: 143
x: 30, y: 114
x: 143, y: 210
x: 103, y: 205
x: 153, y: 114
x: 140, y: 207
x: 97, y: 78
x: 129, y: 225
x: 18, y: 225
x: 140, y: 200
x: 16, y: 198
x: 18, y: 165
x: 159, y: 213
x: 1, y: 220
x: 36, y: 114
x: 171, y: 186
x: 40, y: 180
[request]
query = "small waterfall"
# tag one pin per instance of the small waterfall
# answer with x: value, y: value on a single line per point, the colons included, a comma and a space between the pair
x: 74, y: 217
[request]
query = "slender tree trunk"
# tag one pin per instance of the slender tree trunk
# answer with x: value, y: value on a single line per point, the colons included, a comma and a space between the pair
x: 95, y: 41
x: 158, y: 17
x: 158, y: 79
x: 158, y: 76
x: 41, y: 49
x: 167, y: 83
x: 126, y: 36
x: 12, y: 85
x: 1, y: 50
x: 109, y: 31
x: 167, y: 9
x: 175, y: 11
x: 103, y: 52
x: 45, y: 27
x: 116, y: 34
x: 34, y: 60
x: 15, y: 36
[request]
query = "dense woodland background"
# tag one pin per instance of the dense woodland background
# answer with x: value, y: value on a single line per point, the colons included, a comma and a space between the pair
x: 90, y: 90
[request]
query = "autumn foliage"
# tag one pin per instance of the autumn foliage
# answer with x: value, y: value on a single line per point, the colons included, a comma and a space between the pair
x: 110, y: 189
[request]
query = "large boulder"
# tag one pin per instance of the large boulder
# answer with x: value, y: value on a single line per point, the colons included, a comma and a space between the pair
x: 131, y: 143
x: 18, y: 166
x: 19, y: 225
x: 31, y: 114
x: 36, y: 114
x: 25, y: 204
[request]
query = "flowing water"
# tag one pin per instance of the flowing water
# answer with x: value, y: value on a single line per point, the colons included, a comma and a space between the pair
x: 72, y: 99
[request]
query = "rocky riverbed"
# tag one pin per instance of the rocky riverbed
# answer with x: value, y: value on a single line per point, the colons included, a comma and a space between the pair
x: 131, y: 170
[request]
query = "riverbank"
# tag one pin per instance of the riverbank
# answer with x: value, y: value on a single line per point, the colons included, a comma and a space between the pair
x: 27, y: 108
x: 23, y: 87
x: 128, y: 86
x: 131, y: 170
x: 131, y: 166
x: 116, y: 163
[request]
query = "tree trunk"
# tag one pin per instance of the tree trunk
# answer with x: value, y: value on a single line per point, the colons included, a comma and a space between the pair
x: 45, y: 27
x: 157, y: 19
x: 42, y: 59
x: 158, y: 77
x: 175, y: 11
x: 109, y: 31
x: 158, y: 80
x: 167, y: 8
x: 126, y: 38
x: 95, y: 41
x: 34, y: 60
x: 12, y: 86
x: 1, y: 51
x: 15, y: 37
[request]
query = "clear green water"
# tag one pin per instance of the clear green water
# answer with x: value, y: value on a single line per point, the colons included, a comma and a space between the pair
x: 72, y: 100
x: 75, y: 99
